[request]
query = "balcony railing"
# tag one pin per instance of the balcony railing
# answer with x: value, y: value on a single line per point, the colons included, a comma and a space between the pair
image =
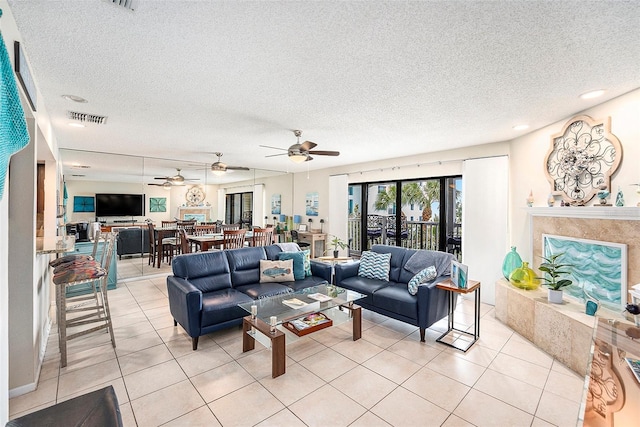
x: 417, y: 235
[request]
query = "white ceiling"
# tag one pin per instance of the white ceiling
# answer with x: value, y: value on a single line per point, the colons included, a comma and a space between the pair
x: 376, y: 79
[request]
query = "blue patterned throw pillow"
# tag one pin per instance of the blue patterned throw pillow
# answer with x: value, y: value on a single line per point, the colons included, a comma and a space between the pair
x: 298, y: 263
x: 423, y: 276
x: 374, y: 265
x: 307, y: 262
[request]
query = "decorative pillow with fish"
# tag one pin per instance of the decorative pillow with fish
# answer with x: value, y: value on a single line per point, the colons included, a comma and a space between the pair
x: 276, y: 271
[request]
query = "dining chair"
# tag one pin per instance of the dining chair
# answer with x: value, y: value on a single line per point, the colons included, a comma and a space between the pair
x: 185, y: 245
x: 224, y: 227
x: 262, y: 236
x: 233, y: 239
x: 173, y: 223
x: 201, y: 230
x: 164, y: 244
x: 296, y: 239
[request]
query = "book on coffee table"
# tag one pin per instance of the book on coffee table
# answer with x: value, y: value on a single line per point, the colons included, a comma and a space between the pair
x: 294, y: 303
x: 320, y: 297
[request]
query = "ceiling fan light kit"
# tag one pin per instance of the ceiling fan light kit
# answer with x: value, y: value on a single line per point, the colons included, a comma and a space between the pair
x: 300, y: 153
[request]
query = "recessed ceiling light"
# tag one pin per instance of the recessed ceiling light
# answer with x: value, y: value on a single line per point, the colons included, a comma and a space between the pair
x: 76, y: 125
x: 75, y: 98
x: 592, y: 94
x: 520, y: 127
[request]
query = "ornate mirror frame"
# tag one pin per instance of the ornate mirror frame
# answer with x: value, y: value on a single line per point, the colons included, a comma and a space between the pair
x: 582, y: 158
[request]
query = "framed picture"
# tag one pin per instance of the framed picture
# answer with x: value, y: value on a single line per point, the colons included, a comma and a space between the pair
x: 276, y: 201
x: 599, y: 268
x: 84, y: 204
x: 459, y: 274
x: 302, y: 227
x: 311, y: 204
x: 157, y: 204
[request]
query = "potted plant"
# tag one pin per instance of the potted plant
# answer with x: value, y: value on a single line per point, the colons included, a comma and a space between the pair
x: 554, y: 271
x: 336, y: 242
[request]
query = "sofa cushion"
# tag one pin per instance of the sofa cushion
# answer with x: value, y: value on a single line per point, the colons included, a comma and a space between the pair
x: 276, y: 271
x: 298, y: 263
x: 396, y: 299
x: 222, y: 306
x: 363, y: 285
x: 207, y: 271
x: 399, y: 257
x: 307, y: 282
x: 374, y: 265
x: 244, y: 264
x: 423, y: 276
x: 262, y: 290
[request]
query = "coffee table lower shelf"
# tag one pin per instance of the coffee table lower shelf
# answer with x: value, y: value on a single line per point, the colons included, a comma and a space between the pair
x: 277, y: 338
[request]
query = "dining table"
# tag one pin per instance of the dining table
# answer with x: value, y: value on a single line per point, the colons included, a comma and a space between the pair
x: 208, y: 241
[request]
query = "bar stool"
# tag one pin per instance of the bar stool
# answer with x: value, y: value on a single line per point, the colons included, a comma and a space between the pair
x: 77, y: 273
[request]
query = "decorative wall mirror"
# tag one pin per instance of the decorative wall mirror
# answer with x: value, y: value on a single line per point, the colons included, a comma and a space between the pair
x: 582, y: 158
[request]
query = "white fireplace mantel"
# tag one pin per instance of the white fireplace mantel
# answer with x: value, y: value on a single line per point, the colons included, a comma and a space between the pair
x: 592, y: 212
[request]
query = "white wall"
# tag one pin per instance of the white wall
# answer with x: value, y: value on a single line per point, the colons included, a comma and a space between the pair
x: 527, y: 163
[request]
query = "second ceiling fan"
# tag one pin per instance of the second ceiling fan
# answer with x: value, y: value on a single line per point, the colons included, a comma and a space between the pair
x: 299, y: 153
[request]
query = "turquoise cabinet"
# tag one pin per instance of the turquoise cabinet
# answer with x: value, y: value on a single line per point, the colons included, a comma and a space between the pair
x: 86, y: 248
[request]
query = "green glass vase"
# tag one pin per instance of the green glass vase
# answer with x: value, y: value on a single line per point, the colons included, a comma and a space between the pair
x: 511, y: 261
x: 524, y: 277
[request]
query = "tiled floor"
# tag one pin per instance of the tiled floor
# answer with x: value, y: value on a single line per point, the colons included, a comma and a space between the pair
x: 386, y: 378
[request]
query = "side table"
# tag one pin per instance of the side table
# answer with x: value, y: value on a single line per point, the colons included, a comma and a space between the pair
x: 333, y: 261
x: 473, y: 286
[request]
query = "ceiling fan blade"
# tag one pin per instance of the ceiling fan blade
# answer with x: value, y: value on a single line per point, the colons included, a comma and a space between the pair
x: 274, y: 155
x: 166, y: 178
x: 325, y: 153
x: 275, y: 148
x: 308, y: 145
x: 159, y: 185
x: 237, y: 168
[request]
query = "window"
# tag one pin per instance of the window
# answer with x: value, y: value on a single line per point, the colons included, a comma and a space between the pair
x: 429, y: 217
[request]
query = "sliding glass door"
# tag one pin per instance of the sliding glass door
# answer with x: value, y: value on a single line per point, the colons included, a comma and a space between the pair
x: 417, y: 214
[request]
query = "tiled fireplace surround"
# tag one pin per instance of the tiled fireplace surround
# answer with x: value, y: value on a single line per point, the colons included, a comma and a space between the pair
x: 565, y: 331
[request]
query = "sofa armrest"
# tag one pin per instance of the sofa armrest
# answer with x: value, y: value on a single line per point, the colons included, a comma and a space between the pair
x: 321, y: 269
x: 346, y: 270
x: 433, y: 303
x: 185, y: 304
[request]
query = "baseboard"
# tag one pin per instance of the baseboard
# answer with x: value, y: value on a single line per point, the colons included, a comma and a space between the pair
x: 23, y: 389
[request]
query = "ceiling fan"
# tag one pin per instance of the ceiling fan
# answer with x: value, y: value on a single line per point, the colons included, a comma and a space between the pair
x: 218, y: 168
x: 176, y: 179
x: 299, y: 153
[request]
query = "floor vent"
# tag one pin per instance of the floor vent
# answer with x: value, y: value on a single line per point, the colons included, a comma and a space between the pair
x: 86, y: 118
x: 127, y: 4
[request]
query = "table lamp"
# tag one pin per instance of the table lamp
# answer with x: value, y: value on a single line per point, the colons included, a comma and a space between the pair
x: 296, y: 220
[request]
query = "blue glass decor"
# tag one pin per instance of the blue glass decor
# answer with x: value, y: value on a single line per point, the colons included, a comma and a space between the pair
x: 511, y: 261
x: 591, y: 308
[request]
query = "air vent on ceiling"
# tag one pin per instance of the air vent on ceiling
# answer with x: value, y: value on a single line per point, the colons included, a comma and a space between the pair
x: 88, y: 118
x: 127, y: 4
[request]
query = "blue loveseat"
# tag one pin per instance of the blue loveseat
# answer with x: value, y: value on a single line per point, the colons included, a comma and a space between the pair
x: 392, y: 298
x: 206, y: 287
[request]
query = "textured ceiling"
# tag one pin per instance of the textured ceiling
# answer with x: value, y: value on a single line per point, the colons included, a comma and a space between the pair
x: 374, y: 80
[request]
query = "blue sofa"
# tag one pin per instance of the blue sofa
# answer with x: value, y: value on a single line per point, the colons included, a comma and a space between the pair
x: 392, y: 298
x: 206, y: 287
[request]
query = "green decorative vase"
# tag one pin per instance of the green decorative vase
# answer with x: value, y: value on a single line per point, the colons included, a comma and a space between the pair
x: 524, y: 278
x: 511, y: 261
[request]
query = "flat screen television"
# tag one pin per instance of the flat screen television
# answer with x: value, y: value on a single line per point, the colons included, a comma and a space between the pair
x: 119, y: 205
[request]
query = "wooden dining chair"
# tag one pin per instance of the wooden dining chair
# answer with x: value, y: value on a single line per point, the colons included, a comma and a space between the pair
x: 224, y: 227
x: 201, y: 230
x: 233, y: 239
x: 262, y: 236
x: 166, y: 224
x: 185, y: 245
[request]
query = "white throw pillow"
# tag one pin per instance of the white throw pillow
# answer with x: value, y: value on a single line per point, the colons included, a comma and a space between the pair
x: 276, y: 271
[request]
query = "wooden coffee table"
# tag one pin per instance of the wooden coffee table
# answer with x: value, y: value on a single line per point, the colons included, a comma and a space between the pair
x: 259, y: 328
